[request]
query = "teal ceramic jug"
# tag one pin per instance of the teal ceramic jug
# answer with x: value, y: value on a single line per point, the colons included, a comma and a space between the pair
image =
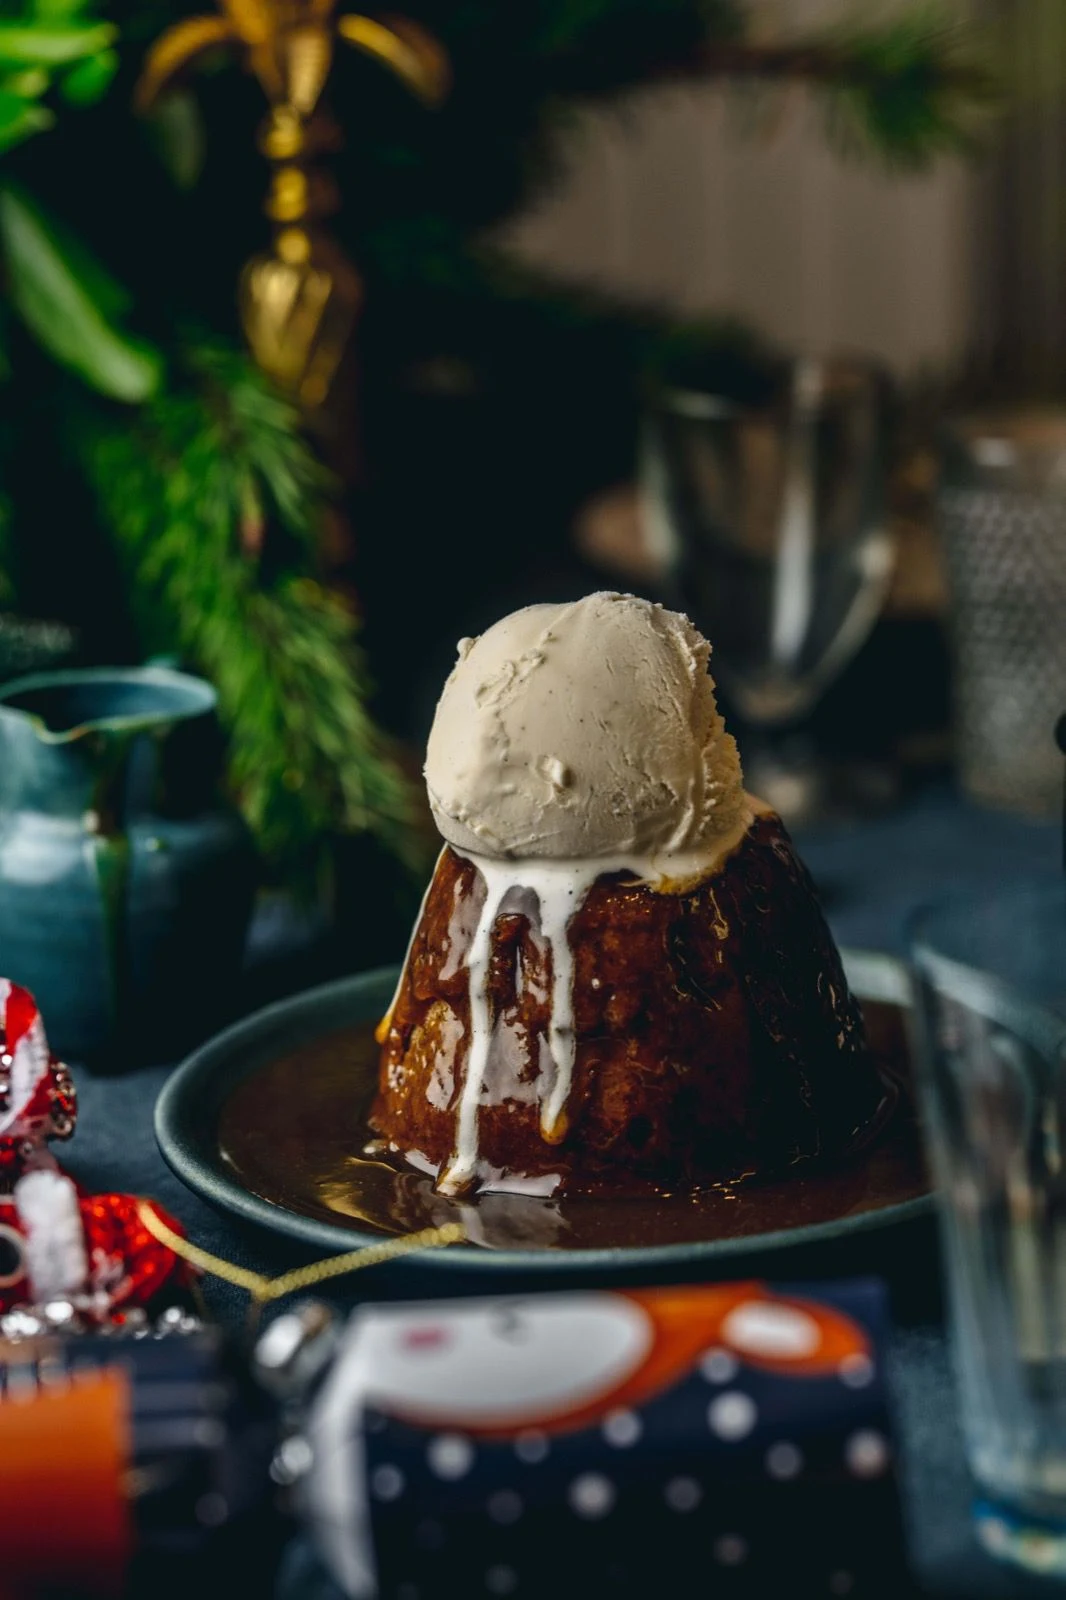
x: 126, y: 882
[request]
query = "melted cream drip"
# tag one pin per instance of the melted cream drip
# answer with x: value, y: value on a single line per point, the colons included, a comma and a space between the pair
x: 560, y: 888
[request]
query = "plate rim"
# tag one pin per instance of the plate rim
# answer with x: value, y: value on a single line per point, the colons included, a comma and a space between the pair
x: 885, y: 973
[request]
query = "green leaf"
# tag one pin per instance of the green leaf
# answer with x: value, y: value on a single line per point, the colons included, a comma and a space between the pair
x: 57, y: 304
x: 53, y: 46
x: 177, y: 128
x: 61, y: 10
x: 112, y: 299
x: 20, y: 118
x: 90, y: 80
x: 29, y: 82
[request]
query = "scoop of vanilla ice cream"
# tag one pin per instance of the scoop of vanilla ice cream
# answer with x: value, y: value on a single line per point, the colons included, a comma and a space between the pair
x: 588, y: 729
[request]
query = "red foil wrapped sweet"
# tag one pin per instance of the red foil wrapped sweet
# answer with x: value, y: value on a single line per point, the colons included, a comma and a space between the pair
x: 59, y: 1246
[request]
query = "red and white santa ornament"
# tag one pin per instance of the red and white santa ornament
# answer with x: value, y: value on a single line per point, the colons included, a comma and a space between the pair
x: 64, y: 1254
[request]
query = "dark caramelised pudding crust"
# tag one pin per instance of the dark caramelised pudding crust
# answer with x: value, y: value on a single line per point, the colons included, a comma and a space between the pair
x: 715, y: 1034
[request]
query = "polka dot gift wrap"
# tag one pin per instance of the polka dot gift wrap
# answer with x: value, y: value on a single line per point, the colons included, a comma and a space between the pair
x: 611, y: 1443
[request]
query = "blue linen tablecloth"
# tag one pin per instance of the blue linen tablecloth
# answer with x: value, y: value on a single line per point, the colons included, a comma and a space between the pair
x: 872, y: 874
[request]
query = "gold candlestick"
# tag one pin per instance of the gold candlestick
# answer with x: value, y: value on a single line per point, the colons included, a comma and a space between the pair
x: 299, y: 300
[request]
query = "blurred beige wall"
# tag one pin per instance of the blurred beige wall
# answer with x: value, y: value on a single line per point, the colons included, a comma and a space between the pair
x: 666, y: 200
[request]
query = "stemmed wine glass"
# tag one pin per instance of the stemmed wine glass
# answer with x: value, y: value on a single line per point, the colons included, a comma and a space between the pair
x: 769, y: 526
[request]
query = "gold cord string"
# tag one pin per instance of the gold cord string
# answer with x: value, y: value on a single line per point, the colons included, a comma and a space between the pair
x: 263, y: 1289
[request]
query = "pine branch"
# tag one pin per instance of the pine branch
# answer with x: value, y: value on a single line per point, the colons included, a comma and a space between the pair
x: 190, y: 492
x: 907, y: 89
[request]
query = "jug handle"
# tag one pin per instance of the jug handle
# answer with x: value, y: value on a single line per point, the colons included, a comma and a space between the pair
x: 109, y: 848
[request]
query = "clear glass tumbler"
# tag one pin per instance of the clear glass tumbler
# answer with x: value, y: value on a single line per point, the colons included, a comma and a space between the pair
x: 769, y: 527
x: 991, y: 982
x: 770, y: 524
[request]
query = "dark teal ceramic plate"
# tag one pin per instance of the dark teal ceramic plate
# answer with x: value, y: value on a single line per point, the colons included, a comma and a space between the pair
x: 267, y: 1121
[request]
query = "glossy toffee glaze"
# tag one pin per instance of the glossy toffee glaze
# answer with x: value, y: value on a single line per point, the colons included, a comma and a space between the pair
x: 289, y: 1131
x: 713, y: 1034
